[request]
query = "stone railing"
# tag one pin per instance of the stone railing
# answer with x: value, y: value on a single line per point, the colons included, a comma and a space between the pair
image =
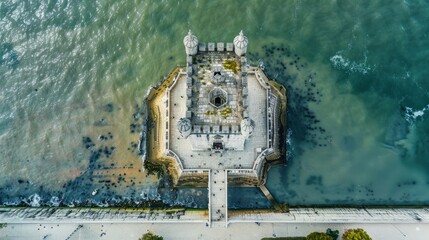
x: 178, y: 161
x: 167, y: 107
x: 271, y: 118
x: 259, y: 164
x: 260, y: 79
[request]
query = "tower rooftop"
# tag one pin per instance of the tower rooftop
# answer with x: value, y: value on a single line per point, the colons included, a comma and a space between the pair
x: 190, y: 40
x: 241, y: 41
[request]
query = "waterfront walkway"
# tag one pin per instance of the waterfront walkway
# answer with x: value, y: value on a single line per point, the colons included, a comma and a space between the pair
x: 251, y: 231
x: 295, y: 215
x: 218, y: 198
x: 91, y: 215
x: 59, y: 223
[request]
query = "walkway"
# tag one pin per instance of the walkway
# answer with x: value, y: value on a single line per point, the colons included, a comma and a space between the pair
x: 251, y: 231
x: 218, y: 198
x: 58, y: 223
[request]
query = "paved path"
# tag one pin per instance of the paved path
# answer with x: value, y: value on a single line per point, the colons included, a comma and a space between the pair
x: 50, y: 223
x: 337, y: 215
x: 132, y: 231
x: 218, y: 198
x: 91, y: 215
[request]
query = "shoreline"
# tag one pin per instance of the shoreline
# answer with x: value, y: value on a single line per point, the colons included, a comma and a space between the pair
x: 184, y: 215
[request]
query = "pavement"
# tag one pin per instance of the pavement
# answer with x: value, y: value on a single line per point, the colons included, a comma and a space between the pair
x: 28, y: 231
x: 218, y: 198
x: 63, y: 223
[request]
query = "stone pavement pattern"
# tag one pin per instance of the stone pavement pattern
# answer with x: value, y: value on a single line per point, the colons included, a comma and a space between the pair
x: 132, y: 231
x: 218, y: 198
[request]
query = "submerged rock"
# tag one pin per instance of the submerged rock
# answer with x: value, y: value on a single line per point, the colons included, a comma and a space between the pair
x: 108, y: 107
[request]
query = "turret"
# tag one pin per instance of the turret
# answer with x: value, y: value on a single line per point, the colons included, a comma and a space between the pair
x: 191, y: 44
x: 184, y: 127
x: 246, y: 127
x: 240, y: 44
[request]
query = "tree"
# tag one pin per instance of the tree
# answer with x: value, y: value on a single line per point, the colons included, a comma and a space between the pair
x: 318, y: 236
x: 333, y: 233
x: 151, y: 236
x: 356, y: 234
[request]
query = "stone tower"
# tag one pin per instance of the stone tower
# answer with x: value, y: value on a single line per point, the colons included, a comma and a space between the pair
x: 191, y: 44
x: 240, y: 44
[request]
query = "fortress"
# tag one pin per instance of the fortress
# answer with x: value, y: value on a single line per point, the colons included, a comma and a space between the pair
x: 217, y: 121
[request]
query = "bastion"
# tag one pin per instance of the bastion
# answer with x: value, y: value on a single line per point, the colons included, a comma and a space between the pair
x: 216, y: 122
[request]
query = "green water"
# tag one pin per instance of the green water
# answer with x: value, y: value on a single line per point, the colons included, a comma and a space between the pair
x: 73, y: 69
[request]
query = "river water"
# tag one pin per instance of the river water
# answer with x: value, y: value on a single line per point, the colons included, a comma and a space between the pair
x: 73, y: 75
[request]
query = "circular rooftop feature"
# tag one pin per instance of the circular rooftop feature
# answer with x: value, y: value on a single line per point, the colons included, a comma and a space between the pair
x: 190, y: 40
x: 218, y: 97
x: 246, y: 127
x: 191, y: 44
x: 241, y: 41
x: 184, y: 127
x: 240, y: 44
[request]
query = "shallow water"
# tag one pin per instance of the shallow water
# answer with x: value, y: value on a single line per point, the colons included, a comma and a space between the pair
x: 358, y: 95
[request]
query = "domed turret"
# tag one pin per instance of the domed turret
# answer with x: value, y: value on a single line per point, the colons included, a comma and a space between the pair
x: 240, y: 44
x: 184, y: 127
x: 246, y: 127
x: 191, y: 44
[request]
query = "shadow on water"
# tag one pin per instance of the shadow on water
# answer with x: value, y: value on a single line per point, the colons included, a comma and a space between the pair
x: 306, y: 133
x: 286, y: 67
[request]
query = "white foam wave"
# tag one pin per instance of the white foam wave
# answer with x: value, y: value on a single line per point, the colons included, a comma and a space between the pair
x: 35, y: 200
x: 102, y: 204
x: 150, y: 193
x: 289, y: 137
x: 411, y: 116
x: 289, y: 146
x: 340, y: 62
x: 54, y: 201
x: 261, y: 64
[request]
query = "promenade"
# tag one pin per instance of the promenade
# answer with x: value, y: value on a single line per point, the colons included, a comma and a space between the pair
x: 218, y: 198
x: 51, y: 223
x: 251, y: 231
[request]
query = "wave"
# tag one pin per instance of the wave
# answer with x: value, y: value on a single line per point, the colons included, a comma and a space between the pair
x: 261, y: 64
x: 340, y: 62
x: 411, y: 116
x: 34, y: 200
x: 54, y: 201
x: 289, y: 146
